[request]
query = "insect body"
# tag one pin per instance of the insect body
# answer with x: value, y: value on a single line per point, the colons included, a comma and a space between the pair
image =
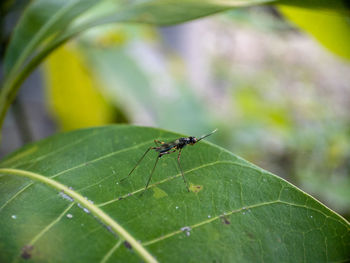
x: 164, y: 148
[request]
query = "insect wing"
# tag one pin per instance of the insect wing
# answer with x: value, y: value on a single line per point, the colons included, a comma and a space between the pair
x: 167, y: 146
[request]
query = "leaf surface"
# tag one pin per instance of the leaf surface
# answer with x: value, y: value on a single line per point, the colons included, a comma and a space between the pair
x: 62, y: 201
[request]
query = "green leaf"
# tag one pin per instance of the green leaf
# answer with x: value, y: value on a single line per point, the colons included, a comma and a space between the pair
x: 129, y: 84
x: 331, y: 28
x: 61, y: 201
x: 47, y: 24
x: 323, y: 5
x: 41, y: 20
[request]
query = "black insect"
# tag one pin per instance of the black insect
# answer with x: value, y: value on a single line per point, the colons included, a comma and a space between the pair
x: 164, y: 148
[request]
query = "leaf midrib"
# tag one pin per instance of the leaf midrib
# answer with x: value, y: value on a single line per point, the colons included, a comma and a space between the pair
x: 167, y: 179
x: 73, y: 168
x: 235, y: 211
x: 97, y: 212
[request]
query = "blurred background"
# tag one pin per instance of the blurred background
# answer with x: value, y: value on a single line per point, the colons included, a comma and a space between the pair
x: 278, y: 97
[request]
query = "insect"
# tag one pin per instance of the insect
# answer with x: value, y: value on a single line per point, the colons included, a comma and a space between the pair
x: 164, y: 148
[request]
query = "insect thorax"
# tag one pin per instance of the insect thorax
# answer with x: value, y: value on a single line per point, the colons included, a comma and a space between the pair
x: 182, y: 142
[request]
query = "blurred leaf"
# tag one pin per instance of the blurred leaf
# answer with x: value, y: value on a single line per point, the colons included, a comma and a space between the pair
x: 330, y: 28
x: 257, y: 109
x: 73, y: 93
x: 46, y: 24
x: 322, y: 164
x: 235, y: 212
x: 332, y: 188
x: 155, y: 92
x: 41, y: 20
x: 324, y: 5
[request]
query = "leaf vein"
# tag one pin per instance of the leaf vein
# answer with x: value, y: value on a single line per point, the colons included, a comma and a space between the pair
x: 54, y: 152
x: 171, y: 178
x: 204, y: 222
x: 100, y: 158
x: 97, y: 212
x: 169, y: 235
x: 49, y: 226
x: 111, y: 251
x: 14, y: 196
x: 105, y: 156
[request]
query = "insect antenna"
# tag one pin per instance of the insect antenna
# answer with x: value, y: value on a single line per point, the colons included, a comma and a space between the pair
x: 204, y: 136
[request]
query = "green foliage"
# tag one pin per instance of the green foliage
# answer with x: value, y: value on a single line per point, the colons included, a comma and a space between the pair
x: 330, y: 28
x: 234, y: 212
x: 46, y: 24
x: 129, y: 85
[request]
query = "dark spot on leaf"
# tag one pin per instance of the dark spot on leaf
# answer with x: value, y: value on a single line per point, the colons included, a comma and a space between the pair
x: 250, y: 235
x: 127, y: 245
x: 120, y: 198
x: 27, y: 252
x: 225, y: 220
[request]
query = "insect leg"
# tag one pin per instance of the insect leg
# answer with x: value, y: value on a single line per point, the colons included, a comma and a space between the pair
x: 157, y: 142
x: 169, y: 152
x: 138, y: 163
x: 182, y: 173
x: 154, y: 167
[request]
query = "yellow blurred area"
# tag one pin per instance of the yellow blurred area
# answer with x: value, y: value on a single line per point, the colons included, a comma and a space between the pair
x: 257, y: 110
x: 72, y: 91
x: 338, y: 147
x: 114, y: 38
x: 331, y: 29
